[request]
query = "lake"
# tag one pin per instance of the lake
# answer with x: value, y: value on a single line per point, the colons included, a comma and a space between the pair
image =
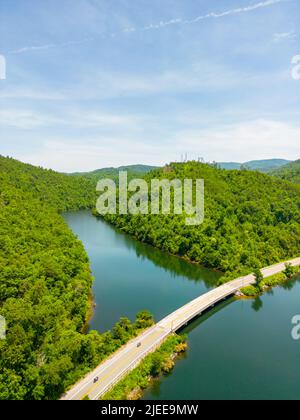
x: 243, y: 349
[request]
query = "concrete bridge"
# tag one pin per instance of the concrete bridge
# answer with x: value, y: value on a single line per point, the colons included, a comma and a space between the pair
x: 110, y: 372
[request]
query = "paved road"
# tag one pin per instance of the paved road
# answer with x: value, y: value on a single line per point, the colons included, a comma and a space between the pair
x: 116, y: 367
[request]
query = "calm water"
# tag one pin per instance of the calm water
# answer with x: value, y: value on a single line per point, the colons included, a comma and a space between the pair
x: 130, y: 276
x: 241, y: 350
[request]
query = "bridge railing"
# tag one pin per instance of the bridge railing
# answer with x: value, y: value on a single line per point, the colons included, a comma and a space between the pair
x: 225, y: 291
x: 132, y: 365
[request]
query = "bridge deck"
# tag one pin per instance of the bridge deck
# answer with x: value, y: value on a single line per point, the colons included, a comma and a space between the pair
x: 115, y: 368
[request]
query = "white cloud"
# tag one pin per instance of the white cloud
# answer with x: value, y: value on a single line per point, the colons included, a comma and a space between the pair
x: 214, y: 15
x: 33, y: 48
x: 100, y: 119
x: 163, y: 24
x: 46, y: 47
x: 32, y: 119
x: 204, y: 76
x: 25, y: 119
x: 239, y: 10
x: 158, y: 25
x: 41, y: 94
x: 67, y: 155
x: 282, y: 36
x: 242, y: 141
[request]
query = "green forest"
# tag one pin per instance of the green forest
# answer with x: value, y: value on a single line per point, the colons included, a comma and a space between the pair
x: 45, y: 286
x: 290, y: 172
x: 133, y: 171
x: 251, y: 220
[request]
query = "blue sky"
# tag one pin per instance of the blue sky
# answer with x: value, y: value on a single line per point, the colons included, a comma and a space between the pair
x: 97, y: 83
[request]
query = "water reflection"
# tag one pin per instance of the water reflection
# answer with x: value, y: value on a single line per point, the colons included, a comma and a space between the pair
x: 257, y: 304
x: 176, y: 266
x: 241, y: 350
x: 131, y: 276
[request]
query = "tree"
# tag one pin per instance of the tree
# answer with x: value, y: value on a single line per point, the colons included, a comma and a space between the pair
x: 258, y: 277
x: 289, y: 270
x: 238, y: 232
x: 144, y: 319
x: 45, y: 285
x: 156, y: 364
x: 123, y: 330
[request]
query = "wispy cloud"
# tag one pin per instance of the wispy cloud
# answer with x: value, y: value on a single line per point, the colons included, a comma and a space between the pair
x: 206, y: 75
x: 239, y: 10
x: 159, y: 25
x: 49, y: 46
x: 29, y: 119
x: 283, y: 36
x: 242, y: 141
x: 40, y: 93
x: 32, y: 48
x: 25, y: 119
x: 93, y: 154
x: 211, y: 15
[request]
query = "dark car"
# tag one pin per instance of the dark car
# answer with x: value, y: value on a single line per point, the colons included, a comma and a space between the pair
x: 96, y: 380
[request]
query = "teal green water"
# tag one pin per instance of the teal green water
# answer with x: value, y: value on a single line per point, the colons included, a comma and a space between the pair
x: 130, y: 276
x: 241, y: 350
x: 244, y: 350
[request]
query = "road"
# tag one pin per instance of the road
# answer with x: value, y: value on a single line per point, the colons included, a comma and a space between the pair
x: 126, y: 359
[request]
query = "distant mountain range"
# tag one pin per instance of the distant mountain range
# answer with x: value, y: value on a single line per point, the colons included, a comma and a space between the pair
x: 289, y: 172
x: 282, y: 168
x: 134, y: 171
x: 256, y: 165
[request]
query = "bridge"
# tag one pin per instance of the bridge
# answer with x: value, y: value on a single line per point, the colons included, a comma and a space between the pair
x: 112, y: 370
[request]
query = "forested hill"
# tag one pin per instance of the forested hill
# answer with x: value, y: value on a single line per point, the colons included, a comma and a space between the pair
x: 290, y: 172
x: 251, y: 219
x: 265, y: 165
x: 45, y: 280
x: 45, y: 283
x: 133, y: 171
x: 57, y: 190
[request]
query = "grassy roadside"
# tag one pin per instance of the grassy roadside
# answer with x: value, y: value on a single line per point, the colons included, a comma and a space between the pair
x: 257, y: 290
x: 89, y: 313
x: 161, y: 362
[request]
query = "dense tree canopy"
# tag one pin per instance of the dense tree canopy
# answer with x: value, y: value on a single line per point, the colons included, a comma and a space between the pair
x: 45, y: 283
x: 290, y: 172
x: 133, y: 171
x: 251, y: 220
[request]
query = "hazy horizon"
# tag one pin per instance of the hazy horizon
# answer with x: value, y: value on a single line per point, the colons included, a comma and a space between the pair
x: 154, y: 165
x: 93, y: 84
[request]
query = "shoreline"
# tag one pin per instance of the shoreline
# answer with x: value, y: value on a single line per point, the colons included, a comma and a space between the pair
x: 133, y: 237
x: 91, y: 298
x: 269, y: 283
x: 91, y: 307
x: 151, y: 369
x: 185, y: 258
x: 214, y: 297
